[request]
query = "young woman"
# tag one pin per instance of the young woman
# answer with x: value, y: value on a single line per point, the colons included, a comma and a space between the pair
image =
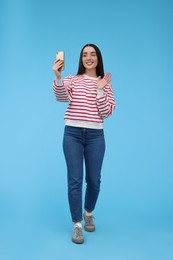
x: 91, y: 100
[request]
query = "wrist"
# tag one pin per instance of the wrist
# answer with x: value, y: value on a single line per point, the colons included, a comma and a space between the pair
x: 58, y: 77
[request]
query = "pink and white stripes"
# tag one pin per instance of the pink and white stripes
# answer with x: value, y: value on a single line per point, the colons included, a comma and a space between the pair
x: 86, y: 103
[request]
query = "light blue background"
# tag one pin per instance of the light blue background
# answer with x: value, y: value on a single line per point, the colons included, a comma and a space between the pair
x: 134, y: 214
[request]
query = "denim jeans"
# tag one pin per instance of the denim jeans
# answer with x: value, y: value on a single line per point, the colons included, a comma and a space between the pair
x: 83, y: 145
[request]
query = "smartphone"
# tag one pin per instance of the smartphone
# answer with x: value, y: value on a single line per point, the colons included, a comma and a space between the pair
x: 60, y: 56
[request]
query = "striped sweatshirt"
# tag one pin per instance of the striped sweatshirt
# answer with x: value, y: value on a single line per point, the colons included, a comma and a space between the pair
x: 87, y: 105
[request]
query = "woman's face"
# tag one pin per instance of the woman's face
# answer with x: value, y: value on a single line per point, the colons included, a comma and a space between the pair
x: 89, y: 58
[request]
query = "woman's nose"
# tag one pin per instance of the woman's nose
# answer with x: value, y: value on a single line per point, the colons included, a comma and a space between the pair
x: 88, y: 57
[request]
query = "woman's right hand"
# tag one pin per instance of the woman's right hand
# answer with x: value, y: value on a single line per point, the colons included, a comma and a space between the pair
x: 57, y: 67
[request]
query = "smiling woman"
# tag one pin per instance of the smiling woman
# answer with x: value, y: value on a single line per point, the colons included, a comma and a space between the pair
x: 91, y: 100
x: 90, y: 61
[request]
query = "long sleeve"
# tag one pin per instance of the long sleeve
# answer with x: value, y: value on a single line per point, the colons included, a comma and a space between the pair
x: 105, y: 102
x: 63, y: 89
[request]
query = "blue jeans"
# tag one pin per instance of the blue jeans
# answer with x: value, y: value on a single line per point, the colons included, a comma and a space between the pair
x: 83, y: 145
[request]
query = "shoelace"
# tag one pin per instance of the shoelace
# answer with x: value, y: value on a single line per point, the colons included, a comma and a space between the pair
x: 89, y: 220
x: 78, y: 231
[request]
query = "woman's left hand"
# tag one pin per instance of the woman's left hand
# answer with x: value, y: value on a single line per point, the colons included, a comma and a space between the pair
x: 102, y: 82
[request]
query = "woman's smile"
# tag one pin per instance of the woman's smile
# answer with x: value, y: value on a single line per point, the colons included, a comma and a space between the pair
x: 89, y: 63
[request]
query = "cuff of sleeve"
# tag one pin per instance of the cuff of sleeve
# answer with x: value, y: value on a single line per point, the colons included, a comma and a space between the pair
x: 100, y: 93
x: 58, y: 82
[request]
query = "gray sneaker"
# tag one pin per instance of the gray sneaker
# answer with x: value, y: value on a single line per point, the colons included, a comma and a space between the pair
x: 89, y: 223
x: 78, y: 237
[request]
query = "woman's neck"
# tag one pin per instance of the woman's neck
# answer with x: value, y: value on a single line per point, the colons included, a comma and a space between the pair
x: 91, y: 73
